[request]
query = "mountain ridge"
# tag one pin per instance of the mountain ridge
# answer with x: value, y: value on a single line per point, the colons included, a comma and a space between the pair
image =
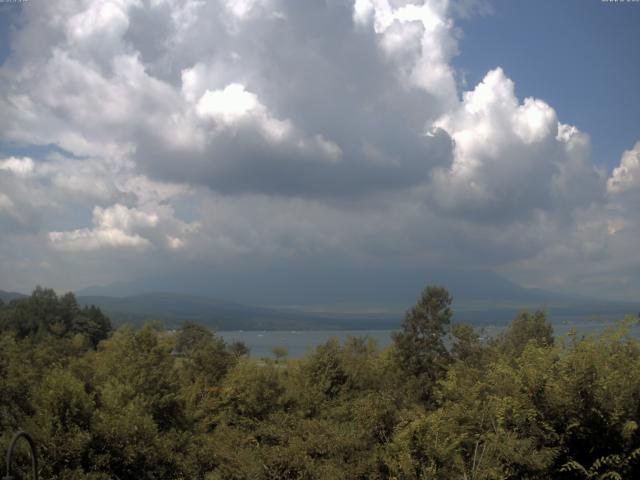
x: 371, y: 299
x: 388, y: 287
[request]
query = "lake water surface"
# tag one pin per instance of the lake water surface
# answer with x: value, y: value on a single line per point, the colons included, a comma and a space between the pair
x: 301, y: 342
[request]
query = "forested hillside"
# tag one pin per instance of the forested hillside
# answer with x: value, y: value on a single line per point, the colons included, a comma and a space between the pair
x: 442, y: 402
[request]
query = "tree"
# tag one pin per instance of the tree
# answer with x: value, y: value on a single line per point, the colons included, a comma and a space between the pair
x: 63, y: 414
x: 420, y: 348
x: 467, y: 345
x: 238, y: 349
x: 205, y: 354
x: 524, y: 329
x: 192, y: 336
x: 92, y: 323
x: 325, y: 371
x: 280, y: 353
x: 249, y: 393
x: 44, y: 314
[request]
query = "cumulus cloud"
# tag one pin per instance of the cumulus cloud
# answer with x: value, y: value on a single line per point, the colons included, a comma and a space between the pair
x: 597, y: 250
x: 511, y: 158
x: 119, y: 226
x: 209, y: 116
x: 422, y: 35
x: 626, y: 176
x: 233, y: 107
x: 18, y: 166
x: 113, y: 227
x: 85, y: 239
x: 270, y: 132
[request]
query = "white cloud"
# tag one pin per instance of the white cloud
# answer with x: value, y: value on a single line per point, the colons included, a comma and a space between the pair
x: 123, y: 218
x: 114, y: 227
x: 243, y: 8
x: 510, y: 157
x: 85, y: 239
x: 228, y: 105
x: 18, y: 166
x: 119, y: 226
x: 234, y: 104
x: 422, y: 35
x: 363, y: 11
x: 626, y: 176
x: 102, y: 20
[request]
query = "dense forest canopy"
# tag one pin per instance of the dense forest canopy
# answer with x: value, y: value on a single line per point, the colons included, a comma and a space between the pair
x: 442, y: 402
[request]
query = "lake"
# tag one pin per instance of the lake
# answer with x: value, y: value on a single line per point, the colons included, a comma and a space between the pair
x: 301, y: 342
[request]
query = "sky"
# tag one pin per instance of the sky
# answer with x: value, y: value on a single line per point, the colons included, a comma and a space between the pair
x: 149, y: 139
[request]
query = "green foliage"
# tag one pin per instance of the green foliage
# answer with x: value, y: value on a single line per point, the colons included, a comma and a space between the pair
x: 526, y: 328
x: 45, y: 314
x: 149, y: 403
x: 63, y: 414
x: 250, y: 393
x: 613, y: 467
x: 420, y: 348
x: 466, y: 345
x: 205, y: 356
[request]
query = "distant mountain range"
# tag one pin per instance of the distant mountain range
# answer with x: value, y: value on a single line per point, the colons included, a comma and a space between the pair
x: 8, y: 296
x: 366, y: 288
x: 174, y: 308
x: 354, y: 301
